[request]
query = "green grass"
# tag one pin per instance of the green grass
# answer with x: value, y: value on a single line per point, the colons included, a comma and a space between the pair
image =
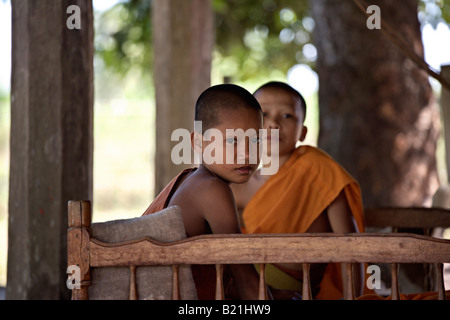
x: 123, y: 159
x: 4, y: 182
x: 3, y: 249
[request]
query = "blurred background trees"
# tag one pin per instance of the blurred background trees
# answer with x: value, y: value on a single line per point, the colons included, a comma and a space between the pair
x: 253, y: 37
x: 374, y: 111
x: 378, y: 113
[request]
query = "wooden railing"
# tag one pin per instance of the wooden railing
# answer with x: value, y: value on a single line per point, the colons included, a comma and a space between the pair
x: 219, y: 250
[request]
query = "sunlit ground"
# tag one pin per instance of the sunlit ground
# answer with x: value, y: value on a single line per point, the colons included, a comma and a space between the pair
x: 4, y: 174
x: 123, y: 159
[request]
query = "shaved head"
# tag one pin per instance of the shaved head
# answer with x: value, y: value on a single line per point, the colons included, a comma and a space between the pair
x: 288, y: 89
x: 222, y: 97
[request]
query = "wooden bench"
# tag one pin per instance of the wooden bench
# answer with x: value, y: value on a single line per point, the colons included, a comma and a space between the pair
x: 87, y: 252
x: 415, y: 218
x: 422, y: 220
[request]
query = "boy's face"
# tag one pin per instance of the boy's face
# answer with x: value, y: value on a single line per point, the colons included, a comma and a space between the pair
x: 282, y: 111
x: 233, y: 145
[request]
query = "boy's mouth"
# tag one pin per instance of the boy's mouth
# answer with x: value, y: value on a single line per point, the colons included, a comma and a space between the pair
x: 245, y: 170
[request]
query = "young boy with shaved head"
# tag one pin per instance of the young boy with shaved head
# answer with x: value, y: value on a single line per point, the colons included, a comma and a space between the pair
x: 204, y: 194
x: 310, y: 193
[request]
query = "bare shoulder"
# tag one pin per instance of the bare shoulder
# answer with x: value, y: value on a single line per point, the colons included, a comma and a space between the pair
x: 207, y: 204
x: 214, y: 188
x: 200, y: 189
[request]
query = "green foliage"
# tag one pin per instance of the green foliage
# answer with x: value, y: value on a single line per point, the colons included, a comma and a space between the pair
x: 434, y: 11
x: 260, y: 36
x: 254, y: 38
x: 123, y: 36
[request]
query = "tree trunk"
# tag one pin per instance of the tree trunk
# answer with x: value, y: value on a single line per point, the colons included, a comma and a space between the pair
x: 378, y: 116
x: 183, y: 43
x: 51, y: 141
x: 445, y: 110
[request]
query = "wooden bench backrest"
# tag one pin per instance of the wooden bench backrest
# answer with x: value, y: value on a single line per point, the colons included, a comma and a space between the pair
x: 421, y: 218
x: 410, y: 219
x: 219, y: 250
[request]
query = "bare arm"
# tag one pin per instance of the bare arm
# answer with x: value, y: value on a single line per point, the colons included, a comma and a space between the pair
x: 341, y: 221
x: 221, y: 215
x: 239, y: 190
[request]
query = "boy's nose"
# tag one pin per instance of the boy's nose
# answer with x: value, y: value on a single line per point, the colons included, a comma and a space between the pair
x: 243, y: 152
x: 247, y: 153
x: 242, y: 157
x: 271, y: 124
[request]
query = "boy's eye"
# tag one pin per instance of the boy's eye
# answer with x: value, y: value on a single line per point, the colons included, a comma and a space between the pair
x: 256, y: 140
x: 288, y: 116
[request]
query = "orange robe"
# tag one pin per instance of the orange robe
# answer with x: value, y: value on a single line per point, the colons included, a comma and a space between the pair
x: 204, y: 275
x: 163, y: 198
x: 293, y: 198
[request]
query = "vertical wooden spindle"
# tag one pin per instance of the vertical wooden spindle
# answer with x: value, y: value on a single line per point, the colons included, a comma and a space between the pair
x: 219, y: 282
x: 350, y: 293
x: 440, y: 281
x: 175, y: 283
x: 306, y: 288
x: 395, y: 294
x: 262, y: 282
x: 133, y: 284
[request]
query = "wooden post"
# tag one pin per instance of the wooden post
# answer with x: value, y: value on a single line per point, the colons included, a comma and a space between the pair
x: 183, y: 42
x: 51, y: 141
x: 78, y: 239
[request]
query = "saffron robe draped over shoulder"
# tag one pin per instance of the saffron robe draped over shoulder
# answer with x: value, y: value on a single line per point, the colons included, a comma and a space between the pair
x: 296, y: 195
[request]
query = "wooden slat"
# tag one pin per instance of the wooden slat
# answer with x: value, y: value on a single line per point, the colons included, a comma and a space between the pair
x: 270, y: 248
x: 175, y: 282
x: 395, y: 293
x: 133, y: 284
x: 407, y: 217
x: 219, y: 282
x: 262, y: 282
x: 306, y: 286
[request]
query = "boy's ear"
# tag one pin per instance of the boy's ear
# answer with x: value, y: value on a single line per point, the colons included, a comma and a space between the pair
x: 303, y: 133
x: 196, y: 141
